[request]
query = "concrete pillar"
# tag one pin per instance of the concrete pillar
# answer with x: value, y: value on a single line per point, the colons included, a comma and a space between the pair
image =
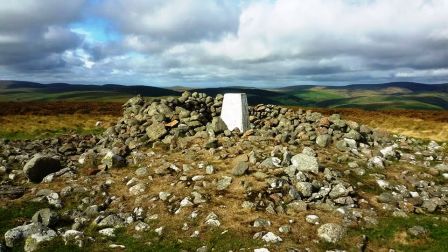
x: 235, y: 112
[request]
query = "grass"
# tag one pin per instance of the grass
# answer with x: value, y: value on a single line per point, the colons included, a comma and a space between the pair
x: 391, y: 232
x: 15, y: 127
x: 215, y: 239
x: 12, y: 215
x: 429, y: 125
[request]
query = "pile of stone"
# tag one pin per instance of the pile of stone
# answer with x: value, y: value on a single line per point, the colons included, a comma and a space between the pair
x: 165, y: 120
x: 145, y: 122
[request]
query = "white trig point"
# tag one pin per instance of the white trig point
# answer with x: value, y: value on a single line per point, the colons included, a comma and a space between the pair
x: 235, y: 112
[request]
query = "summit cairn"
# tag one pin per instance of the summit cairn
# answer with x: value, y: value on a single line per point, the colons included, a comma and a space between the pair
x: 235, y: 112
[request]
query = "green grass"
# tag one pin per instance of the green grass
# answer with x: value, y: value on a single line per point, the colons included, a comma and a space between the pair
x: 151, y: 242
x: 386, y: 234
x: 15, y: 214
x: 317, y: 95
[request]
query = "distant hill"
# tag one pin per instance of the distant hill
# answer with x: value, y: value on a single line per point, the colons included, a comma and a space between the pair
x: 393, y: 95
x: 31, y: 91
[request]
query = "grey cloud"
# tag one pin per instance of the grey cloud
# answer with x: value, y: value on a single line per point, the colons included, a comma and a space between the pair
x: 160, y: 24
x: 34, y: 34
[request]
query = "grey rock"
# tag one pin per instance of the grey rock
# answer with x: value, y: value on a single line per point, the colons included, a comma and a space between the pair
x: 223, y: 183
x: 376, y: 162
x: 156, y: 131
x: 17, y: 234
x: 34, y: 241
x: 330, y: 232
x: 141, y: 172
x: 417, y: 231
x: 112, y: 160
x: 45, y: 217
x: 261, y: 223
x: 40, y: 166
x: 271, y: 162
x: 54, y: 200
x: 305, y: 163
x: 323, y: 140
x: 240, y: 169
x: 337, y: 191
x: 218, y: 125
x: 212, y: 220
x: 312, y: 219
x: 137, y: 189
x: 271, y: 238
x: 304, y: 188
x: 111, y: 220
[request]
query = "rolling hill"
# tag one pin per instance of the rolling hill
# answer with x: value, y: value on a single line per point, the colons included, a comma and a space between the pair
x: 394, y: 95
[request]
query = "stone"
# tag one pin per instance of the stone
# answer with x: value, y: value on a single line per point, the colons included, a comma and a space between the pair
x: 45, y: 217
x: 323, y: 140
x: 262, y: 223
x: 137, y: 189
x: 376, y: 162
x: 141, y: 172
x: 141, y: 226
x: 111, y: 220
x: 73, y: 237
x: 389, y: 152
x: 271, y: 162
x: 218, y: 125
x: 156, y: 131
x: 240, y: 169
x: 109, y: 232
x: 271, y: 238
x: 305, y: 163
x: 337, y: 191
x: 330, y: 232
x: 284, y: 229
x: 417, y: 231
x: 34, y: 241
x: 17, y: 234
x: 54, y: 200
x: 235, y: 112
x: 304, y: 188
x: 164, y: 195
x: 312, y: 219
x: 223, y: 183
x: 112, y: 160
x: 212, y: 220
x: 40, y: 166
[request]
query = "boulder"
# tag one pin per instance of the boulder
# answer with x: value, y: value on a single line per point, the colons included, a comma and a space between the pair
x: 305, y: 163
x: 331, y: 232
x: 112, y: 160
x: 40, y: 166
x: 45, y: 217
x: 240, y: 169
x: 156, y: 131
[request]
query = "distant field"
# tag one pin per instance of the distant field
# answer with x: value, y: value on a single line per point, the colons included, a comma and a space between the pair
x: 422, y: 124
x: 32, y: 120
x: 388, y: 96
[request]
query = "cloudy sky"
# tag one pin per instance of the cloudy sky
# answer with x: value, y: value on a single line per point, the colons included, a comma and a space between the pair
x: 261, y: 43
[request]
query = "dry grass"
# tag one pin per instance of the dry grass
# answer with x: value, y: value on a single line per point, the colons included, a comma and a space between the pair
x: 35, y: 126
x: 431, y: 125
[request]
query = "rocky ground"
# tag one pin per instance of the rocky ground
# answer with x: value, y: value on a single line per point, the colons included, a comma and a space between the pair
x: 169, y: 176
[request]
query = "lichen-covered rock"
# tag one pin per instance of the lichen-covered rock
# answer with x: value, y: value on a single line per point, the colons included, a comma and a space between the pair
x: 331, y: 232
x: 306, y: 163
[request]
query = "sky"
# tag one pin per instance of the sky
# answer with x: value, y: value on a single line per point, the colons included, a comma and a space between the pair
x: 264, y: 43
